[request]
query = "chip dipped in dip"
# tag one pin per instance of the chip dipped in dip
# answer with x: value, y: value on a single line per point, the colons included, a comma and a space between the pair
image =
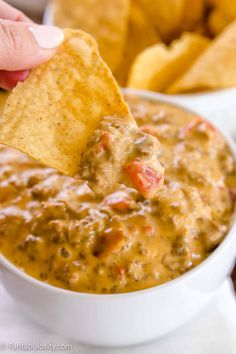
x: 57, y: 230
x: 122, y: 153
x: 71, y: 115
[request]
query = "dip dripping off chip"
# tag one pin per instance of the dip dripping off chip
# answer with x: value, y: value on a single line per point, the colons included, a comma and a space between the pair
x: 55, y: 115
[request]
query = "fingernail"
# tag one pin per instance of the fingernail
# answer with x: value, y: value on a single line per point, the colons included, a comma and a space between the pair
x: 47, y: 37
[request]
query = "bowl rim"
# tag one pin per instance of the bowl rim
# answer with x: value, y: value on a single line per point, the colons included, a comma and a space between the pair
x: 4, y: 262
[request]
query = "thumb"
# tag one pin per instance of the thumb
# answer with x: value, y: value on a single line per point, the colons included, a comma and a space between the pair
x: 25, y: 46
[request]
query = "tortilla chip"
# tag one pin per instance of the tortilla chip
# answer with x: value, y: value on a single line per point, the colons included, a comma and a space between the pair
x: 222, y: 15
x: 158, y: 66
x: 227, y: 7
x: 214, y: 69
x: 106, y: 21
x: 3, y: 98
x: 52, y: 115
x: 202, y: 29
x: 212, y: 3
x: 141, y: 34
x: 193, y: 12
x: 217, y: 22
x: 165, y: 15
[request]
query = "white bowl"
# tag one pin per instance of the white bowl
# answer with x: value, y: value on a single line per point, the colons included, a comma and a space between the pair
x: 122, y: 319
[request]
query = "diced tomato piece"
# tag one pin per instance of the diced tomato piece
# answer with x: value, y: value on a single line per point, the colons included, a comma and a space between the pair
x: 149, y: 129
x: 232, y: 194
x: 185, y: 131
x: 149, y: 230
x: 144, y: 178
x: 121, y: 205
x: 155, y: 130
x: 109, y: 242
x: 119, y: 201
x: 199, y: 124
x: 119, y: 271
x: 104, y: 142
x: 207, y: 128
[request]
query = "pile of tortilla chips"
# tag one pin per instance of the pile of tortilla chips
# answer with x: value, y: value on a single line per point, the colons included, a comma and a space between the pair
x: 145, y: 43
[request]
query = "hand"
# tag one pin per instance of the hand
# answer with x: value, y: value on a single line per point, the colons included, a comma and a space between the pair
x: 23, y: 45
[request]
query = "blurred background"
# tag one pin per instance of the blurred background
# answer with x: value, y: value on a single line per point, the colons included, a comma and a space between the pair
x: 33, y: 8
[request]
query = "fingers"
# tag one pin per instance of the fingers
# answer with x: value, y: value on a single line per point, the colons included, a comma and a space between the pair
x: 25, y: 46
x: 14, y: 46
x: 9, y: 79
x: 8, y: 12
